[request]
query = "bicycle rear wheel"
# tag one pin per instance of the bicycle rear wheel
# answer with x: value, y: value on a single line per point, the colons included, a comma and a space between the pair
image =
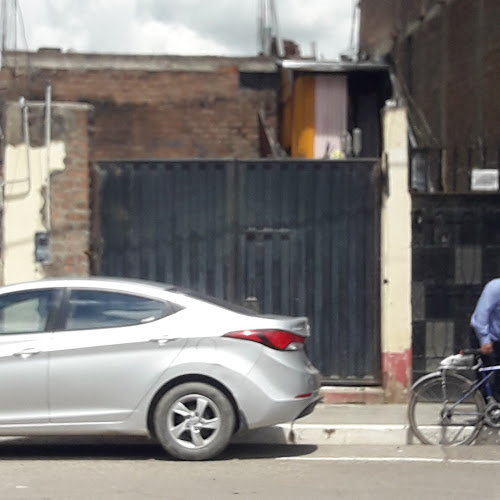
x: 437, y: 414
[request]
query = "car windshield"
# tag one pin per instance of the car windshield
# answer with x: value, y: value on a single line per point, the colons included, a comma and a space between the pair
x: 215, y: 301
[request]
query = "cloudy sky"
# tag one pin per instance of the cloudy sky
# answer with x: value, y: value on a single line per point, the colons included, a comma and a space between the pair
x: 187, y: 27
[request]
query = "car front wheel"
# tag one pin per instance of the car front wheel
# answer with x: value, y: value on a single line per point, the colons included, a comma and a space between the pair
x: 194, y: 421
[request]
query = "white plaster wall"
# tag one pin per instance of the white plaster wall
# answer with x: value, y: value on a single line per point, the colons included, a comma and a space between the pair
x: 396, y: 236
x: 22, y: 206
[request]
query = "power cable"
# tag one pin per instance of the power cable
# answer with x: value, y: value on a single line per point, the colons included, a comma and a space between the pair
x: 353, y: 22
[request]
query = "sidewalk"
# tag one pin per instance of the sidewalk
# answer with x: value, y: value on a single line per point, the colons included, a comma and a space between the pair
x: 349, y: 424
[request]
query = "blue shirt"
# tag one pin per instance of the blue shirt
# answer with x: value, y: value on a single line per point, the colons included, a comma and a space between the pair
x: 486, y: 317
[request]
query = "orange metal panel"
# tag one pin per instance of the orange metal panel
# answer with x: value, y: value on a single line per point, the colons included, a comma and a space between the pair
x: 303, y: 118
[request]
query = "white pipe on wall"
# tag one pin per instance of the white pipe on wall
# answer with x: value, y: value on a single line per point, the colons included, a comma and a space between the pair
x: 26, y: 136
x: 48, y: 138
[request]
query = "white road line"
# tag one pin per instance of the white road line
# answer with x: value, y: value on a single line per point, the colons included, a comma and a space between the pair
x: 376, y: 427
x: 392, y: 459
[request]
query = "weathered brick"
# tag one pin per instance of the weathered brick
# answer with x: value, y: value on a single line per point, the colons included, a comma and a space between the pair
x: 447, y: 55
x: 157, y: 114
x: 70, y: 208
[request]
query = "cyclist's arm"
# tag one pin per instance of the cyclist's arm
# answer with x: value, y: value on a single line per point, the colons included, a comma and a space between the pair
x: 480, y: 320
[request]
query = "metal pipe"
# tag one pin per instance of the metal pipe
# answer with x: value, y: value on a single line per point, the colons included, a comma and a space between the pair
x: 24, y: 109
x: 48, y: 138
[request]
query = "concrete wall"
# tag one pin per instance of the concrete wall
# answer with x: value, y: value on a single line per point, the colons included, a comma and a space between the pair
x: 396, y: 332
x: 26, y: 192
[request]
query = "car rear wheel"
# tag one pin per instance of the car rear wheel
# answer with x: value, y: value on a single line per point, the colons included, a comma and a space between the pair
x: 194, y: 421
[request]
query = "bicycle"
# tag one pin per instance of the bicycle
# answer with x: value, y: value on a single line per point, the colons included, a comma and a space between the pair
x: 447, y: 407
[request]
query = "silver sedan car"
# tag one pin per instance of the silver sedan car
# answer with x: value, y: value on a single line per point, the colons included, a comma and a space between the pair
x: 102, y: 356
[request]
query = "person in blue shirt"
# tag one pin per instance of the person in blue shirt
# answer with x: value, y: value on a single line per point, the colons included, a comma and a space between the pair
x: 486, y: 324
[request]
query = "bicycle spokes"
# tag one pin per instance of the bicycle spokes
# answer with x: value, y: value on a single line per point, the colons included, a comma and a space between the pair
x: 445, y: 410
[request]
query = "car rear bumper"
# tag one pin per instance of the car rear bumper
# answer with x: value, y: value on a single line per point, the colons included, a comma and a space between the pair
x: 309, y: 408
x: 281, y: 387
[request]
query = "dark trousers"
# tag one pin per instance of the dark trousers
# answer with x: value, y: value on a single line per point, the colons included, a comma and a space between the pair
x: 489, y: 360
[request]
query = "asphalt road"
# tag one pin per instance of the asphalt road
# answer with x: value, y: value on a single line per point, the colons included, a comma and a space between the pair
x: 120, y: 469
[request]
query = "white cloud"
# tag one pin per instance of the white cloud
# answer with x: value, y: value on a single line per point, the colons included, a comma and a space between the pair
x: 222, y: 27
x: 156, y: 37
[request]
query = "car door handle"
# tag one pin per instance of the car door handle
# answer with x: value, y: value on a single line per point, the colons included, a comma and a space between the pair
x: 161, y: 340
x: 27, y: 353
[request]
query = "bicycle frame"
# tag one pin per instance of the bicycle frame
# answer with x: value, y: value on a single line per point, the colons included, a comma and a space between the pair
x: 465, y: 398
x: 485, y: 373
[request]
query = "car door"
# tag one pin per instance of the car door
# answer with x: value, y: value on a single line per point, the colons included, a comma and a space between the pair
x: 110, y: 351
x: 25, y: 318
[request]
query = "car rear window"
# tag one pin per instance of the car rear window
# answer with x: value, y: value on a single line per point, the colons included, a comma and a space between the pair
x: 216, y: 301
x: 89, y: 309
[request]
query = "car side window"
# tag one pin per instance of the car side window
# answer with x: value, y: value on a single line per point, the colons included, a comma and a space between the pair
x: 25, y: 312
x: 90, y: 309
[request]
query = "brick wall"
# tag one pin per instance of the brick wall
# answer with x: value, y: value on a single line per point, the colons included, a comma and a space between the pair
x: 377, y: 27
x: 159, y: 114
x: 446, y: 55
x: 70, y: 197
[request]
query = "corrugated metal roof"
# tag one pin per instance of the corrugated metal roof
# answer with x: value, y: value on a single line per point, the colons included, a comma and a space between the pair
x: 330, y: 66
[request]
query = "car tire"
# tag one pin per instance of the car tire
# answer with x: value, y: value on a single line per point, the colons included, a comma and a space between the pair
x: 194, y: 421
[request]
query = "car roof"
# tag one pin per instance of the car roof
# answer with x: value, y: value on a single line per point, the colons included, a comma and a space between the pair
x: 124, y: 284
x: 152, y: 288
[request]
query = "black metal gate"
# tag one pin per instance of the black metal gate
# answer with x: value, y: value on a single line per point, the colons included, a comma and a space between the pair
x: 456, y: 251
x: 292, y: 237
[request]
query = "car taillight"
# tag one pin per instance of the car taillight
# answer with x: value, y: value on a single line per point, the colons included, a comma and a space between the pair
x: 276, y: 339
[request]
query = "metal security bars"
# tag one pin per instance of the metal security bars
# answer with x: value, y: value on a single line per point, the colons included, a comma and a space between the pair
x: 456, y: 250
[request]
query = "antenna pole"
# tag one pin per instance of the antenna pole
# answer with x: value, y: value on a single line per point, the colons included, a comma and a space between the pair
x: 4, y: 25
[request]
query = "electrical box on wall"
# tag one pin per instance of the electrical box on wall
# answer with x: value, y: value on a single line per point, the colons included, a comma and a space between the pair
x: 486, y: 179
x: 42, y: 247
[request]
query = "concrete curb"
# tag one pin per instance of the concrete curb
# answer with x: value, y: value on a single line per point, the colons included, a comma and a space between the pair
x: 345, y: 434
x: 320, y: 434
x: 352, y: 395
